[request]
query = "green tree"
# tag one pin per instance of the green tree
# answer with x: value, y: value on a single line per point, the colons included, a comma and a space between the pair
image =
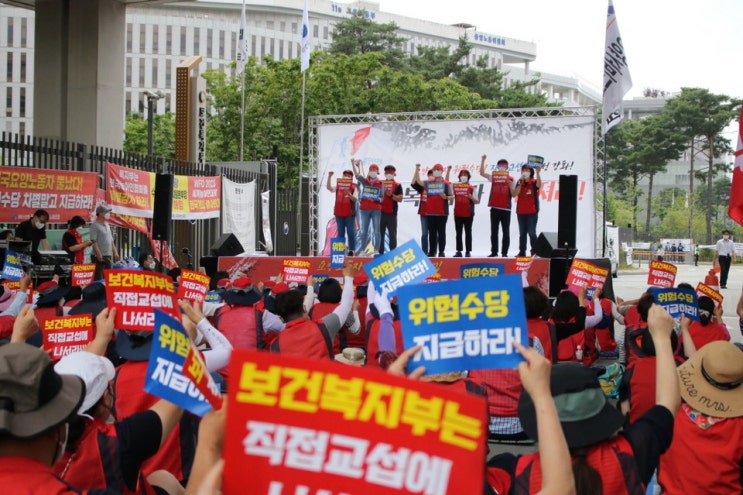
x: 358, y: 34
x: 163, y: 134
x: 670, y: 198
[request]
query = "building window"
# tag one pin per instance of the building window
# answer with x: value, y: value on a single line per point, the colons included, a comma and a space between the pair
x: 22, y: 128
x: 221, y: 45
x: 183, y: 40
x: 23, y: 67
x: 196, y: 41
x: 22, y: 103
x: 155, y: 39
x: 128, y: 71
x: 169, y: 40
x: 9, y: 73
x: 233, y: 41
x: 10, y: 31
x: 8, y: 102
x: 142, y: 38
x: 154, y: 73
x: 128, y: 103
x: 252, y: 45
x: 209, y: 43
x: 269, y: 24
x: 282, y: 26
x: 129, y: 33
x: 315, y: 31
x: 325, y: 32
x: 271, y: 47
x: 141, y: 72
x: 281, y: 49
x: 294, y: 27
x: 24, y: 31
x: 263, y: 47
x: 168, y: 74
x: 290, y: 46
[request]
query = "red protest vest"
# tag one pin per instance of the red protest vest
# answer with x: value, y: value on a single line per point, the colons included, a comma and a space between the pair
x: 703, y: 335
x: 463, y: 205
x: 503, y: 387
x: 26, y: 476
x: 528, y: 202
x: 305, y: 338
x: 177, y: 453
x: 322, y: 309
x: 422, y: 203
x: 613, y: 459
x: 500, y: 192
x: 435, y: 204
x: 78, y: 255
x: 96, y: 462
x: 369, y: 204
x: 343, y: 204
x: 242, y: 325
x: 388, y: 204
x: 703, y: 461
x: 539, y: 328
x: 372, y: 341
x: 605, y: 336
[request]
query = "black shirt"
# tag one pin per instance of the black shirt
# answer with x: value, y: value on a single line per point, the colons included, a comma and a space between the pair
x: 28, y: 232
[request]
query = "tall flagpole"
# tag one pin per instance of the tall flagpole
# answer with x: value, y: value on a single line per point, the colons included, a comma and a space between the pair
x: 242, y: 115
x: 242, y: 57
x: 301, y: 168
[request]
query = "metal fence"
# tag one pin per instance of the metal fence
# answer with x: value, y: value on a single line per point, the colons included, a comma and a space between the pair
x: 198, y: 236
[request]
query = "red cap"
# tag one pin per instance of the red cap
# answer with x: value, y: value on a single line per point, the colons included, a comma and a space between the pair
x: 373, y: 166
x: 269, y: 283
x: 223, y: 283
x: 47, y: 286
x: 438, y: 166
x: 242, y: 284
x: 525, y: 167
x: 279, y: 288
x: 360, y: 278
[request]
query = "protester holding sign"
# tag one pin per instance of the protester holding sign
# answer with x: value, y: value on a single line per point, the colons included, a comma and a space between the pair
x: 569, y: 319
x: 346, y: 196
x: 710, y: 326
x: 464, y: 212
x: 384, y: 341
x: 417, y: 185
x: 72, y: 240
x: 527, y: 207
x: 370, y: 212
x: 328, y: 298
x: 501, y: 192
x: 392, y: 195
x: 438, y: 194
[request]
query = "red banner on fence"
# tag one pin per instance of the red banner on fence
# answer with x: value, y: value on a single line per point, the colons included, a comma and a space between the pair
x: 135, y: 294
x: 82, y: 275
x: 310, y: 426
x: 67, y: 334
x: 661, y: 274
x: 62, y: 193
x: 130, y: 191
x: 192, y: 286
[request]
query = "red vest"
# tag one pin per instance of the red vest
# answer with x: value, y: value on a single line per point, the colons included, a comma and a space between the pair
x: 370, y: 204
x: 305, y: 338
x: 703, y: 461
x: 422, y: 203
x: 435, y: 204
x: 703, y: 335
x: 463, y: 205
x: 26, y: 476
x: 613, y: 459
x: 388, y: 204
x: 545, y: 332
x: 97, y: 461
x: 242, y: 325
x: 566, y: 347
x: 176, y: 454
x: 78, y: 255
x: 343, y: 204
x: 605, y: 336
x: 500, y: 192
x: 321, y: 309
x: 528, y: 199
x: 372, y: 341
x: 503, y: 387
x: 641, y: 386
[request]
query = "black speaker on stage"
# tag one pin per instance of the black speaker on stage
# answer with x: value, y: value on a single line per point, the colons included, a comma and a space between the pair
x: 163, y: 208
x: 567, y: 215
x: 209, y: 263
x: 558, y: 274
x: 546, y: 243
x: 227, y: 245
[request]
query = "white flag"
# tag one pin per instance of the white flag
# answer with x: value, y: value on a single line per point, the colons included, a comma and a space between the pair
x: 617, y: 80
x: 305, y: 44
x: 242, y: 43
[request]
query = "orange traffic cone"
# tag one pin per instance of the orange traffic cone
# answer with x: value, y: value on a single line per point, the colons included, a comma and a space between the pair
x: 711, y: 280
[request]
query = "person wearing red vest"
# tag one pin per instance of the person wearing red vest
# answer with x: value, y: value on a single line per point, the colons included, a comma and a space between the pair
x: 416, y: 184
x: 710, y: 327
x: 438, y: 194
x: 370, y: 211
x: 607, y: 346
x: 72, y: 241
x: 238, y: 319
x: 569, y: 320
x: 345, y: 203
x: 499, y: 202
x: 304, y: 337
x: 706, y: 455
x: 328, y: 298
x: 464, y: 212
x: 536, y: 305
x: 527, y: 207
x: 384, y: 332
x: 392, y: 195
x: 635, y: 326
x: 603, y: 462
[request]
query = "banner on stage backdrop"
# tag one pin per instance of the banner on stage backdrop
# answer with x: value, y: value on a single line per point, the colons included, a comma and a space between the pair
x: 176, y: 372
x: 338, y: 252
x: 706, y: 290
x: 586, y: 274
x: 238, y: 214
x: 464, y: 324
x: 662, y: 274
x: 476, y: 270
x: 12, y: 269
x: 677, y: 301
x: 62, y: 193
x: 318, y: 427
x: 83, y: 275
x: 136, y: 294
x: 64, y: 335
x: 405, y: 265
x: 193, y: 286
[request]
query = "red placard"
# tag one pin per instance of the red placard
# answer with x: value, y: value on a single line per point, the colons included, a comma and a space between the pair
x: 62, y: 193
x: 295, y: 270
x: 15, y: 285
x: 586, y: 274
x: 192, y: 286
x: 135, y: 294
x: 82, y: 275
x: 67, y: 334
x: 309, y: 426
x: 499, y: 177
x: 662, y: 274
x: 344, y: 184
x: 523, y: 263
x: 461, y: 189
x: 195, y: 370
x: 706, y: 290
x: 129, y: 191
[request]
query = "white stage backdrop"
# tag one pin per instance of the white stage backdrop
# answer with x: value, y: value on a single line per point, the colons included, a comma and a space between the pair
x: 238, y: 212
x: 565, y: 142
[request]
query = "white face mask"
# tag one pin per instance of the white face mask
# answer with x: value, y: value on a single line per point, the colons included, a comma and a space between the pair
x: 151, y: 265
x: 372, y: 175
x: 79, y: 229
x: 726, y: 237
x: 525, y: 175
x: 503, y: 168
x: 40, y: 225
x: 464, y: 179
x: 437, y: 173
x: 389, y: 176
x: 61, y: 446
x: 107, y: 216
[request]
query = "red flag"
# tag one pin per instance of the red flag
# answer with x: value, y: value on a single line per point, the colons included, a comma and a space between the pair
x: 735, y: 210
x: 358, y: 139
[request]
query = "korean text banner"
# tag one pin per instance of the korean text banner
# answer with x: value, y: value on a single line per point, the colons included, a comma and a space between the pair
x: 12, y: 269
x: 193, y: 286
x: 82, y: 275
x: 661, y: 274
x: 586, y: 274
x: 130, y: 191
x: 309, y: 426
x: 464, y: 324
x: 337, y: 252
x: 66, y: 334
x: 406, y: 264
x: 176, y: 372
x: 295, y: 270
x: 63, y: 193
x: 196, y: 198
x: 706, y: 290
x: 677, y: 301
x: 475, y: 270
x: 136, y: 294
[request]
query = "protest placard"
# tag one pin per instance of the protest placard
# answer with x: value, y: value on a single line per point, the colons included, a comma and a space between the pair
x: 193, y: 286
x: 12, y: 269
x: 435, y: 187
x: 176, y: 371
x: 406, y: 264
x: 372, y: 193
x: 136, y: 294
x: 464, y: 324
x: 64, y: 335
x: 677, y: 301
x: 706, y: 290
x: 15, y: 285
x: 523, y: 263
x: 535, y: 161
x: 82, y: 275
x: 295, y: 270
x: 586, y: 274
x: 475, y: 270
x: 499, y: 177
x: 337, y: 252
x: 661, y: 274
x: 302, y: 426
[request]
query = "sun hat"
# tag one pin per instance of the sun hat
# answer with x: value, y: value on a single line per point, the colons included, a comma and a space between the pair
x: 242, y: 292
x: 352, y: 355
x: 93, y: 300
x: 94, y: 370
x: 712, y: 380
x: 34, y: 399
x: 585, y: 415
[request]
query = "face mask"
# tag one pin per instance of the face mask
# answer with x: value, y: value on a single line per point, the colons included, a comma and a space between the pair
x: 437, y: 173
x: 107, y: 216
x: 79, y: 229
x: 348, y: 177
x: 525, y: 175
x: 62, y: 445
x: 40, y: 225
x: 726, y: 237
x: 464, y: 179
x: 150, y: 266
x: 389, y: 176
x: 372, y: 175
x: 503, y: 169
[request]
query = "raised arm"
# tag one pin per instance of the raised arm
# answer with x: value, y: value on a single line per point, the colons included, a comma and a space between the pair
x: 539, y: 177
x: 417, y: 175
x: 660, y: 325
x: 328, y: 184
x: 483, y: 173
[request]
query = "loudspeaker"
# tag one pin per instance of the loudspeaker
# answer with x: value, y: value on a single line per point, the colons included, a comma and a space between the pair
x: 163, y: 207
x: 209, y: 264
x: 227, y: 245
x: 567, y: 212
x: 546, y: 243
